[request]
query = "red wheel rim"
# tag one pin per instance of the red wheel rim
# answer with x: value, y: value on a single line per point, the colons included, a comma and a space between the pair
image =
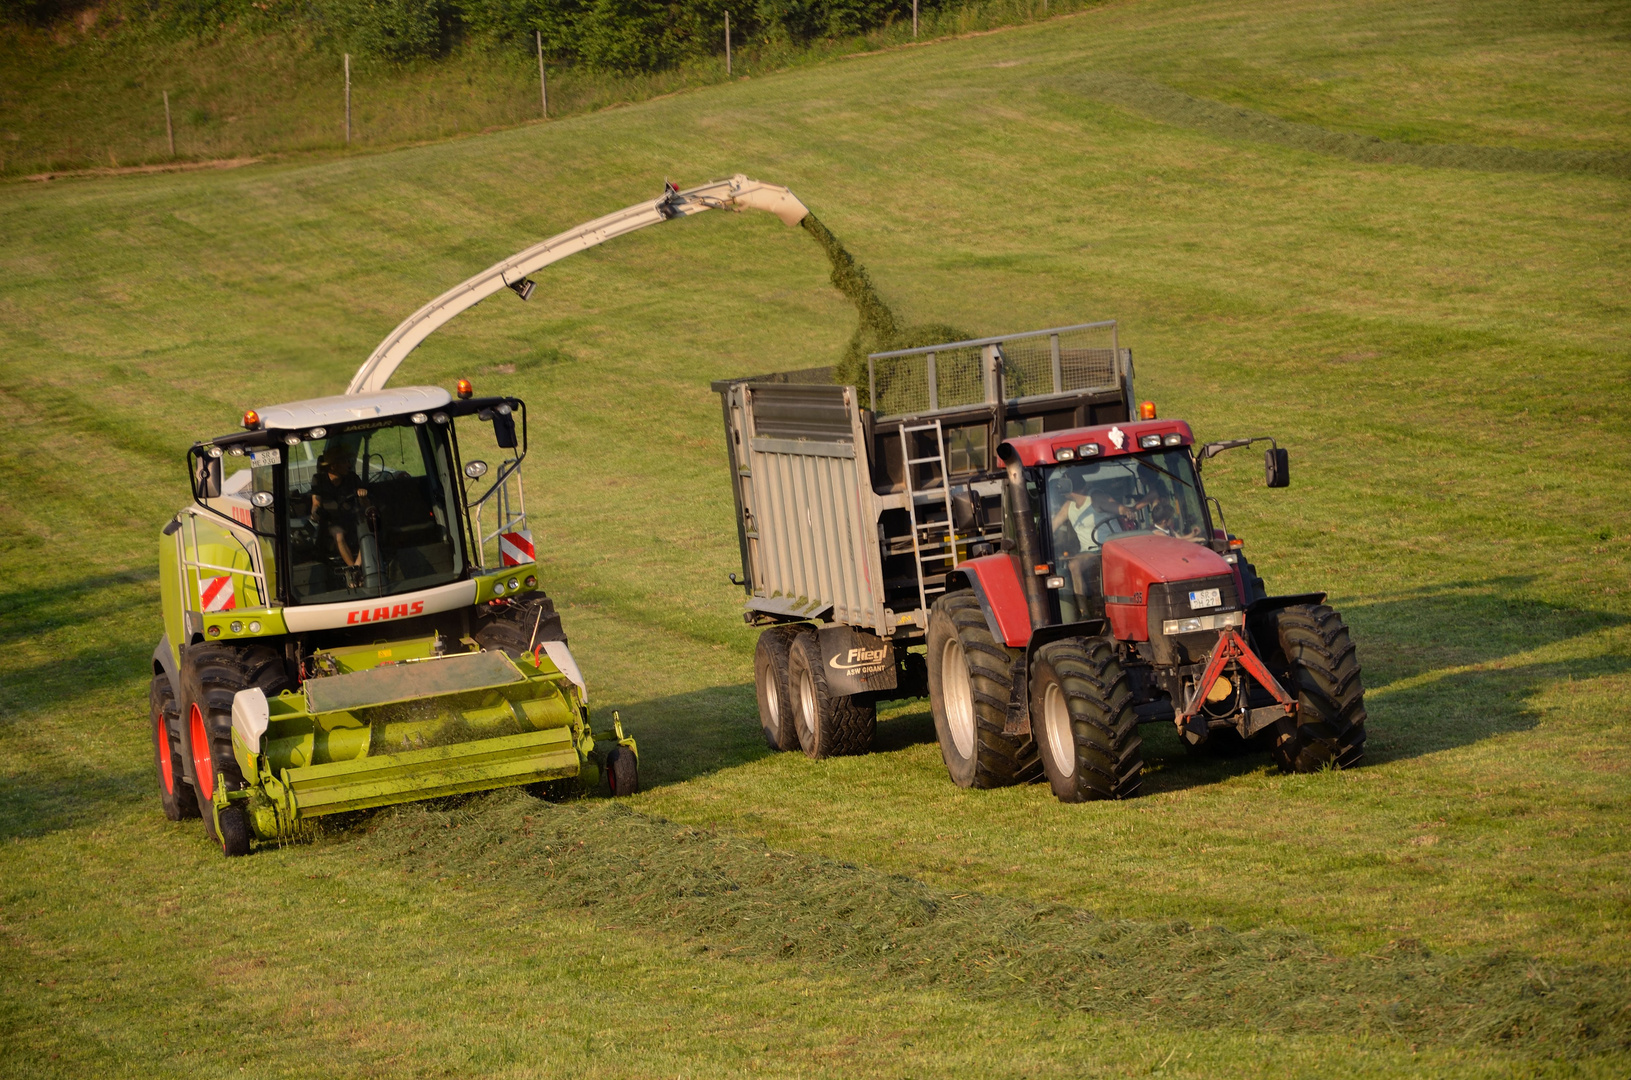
x: 203, y: 768
x: 166, y: 773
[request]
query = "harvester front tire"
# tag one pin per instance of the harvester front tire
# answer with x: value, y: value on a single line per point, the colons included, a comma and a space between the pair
x: 827, y: 725
x: 771, y: 658
x: 969, y: 687
x: 1320, y: 667
x: 164, y: 717
x: 622, y: 772
x: 210, y: 676
x: 1082, y: 716
x: 511, y: 630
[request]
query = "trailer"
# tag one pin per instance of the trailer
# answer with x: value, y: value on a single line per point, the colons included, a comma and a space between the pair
x: 1005, y: 504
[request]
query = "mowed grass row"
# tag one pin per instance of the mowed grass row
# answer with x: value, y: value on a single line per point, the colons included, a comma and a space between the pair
x: 1442, y: 350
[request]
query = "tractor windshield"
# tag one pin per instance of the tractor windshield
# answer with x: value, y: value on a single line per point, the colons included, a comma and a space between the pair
x: 1089, y: 502
x: 372, y: 510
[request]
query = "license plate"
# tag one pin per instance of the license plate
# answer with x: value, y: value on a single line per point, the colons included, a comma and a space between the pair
x: 1204, y: 598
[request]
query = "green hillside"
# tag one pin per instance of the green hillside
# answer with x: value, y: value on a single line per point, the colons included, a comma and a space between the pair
x: 1392, y: 235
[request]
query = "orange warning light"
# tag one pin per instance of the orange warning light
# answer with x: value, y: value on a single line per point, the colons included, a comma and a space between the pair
x: 465, y: 389
x: 252, y: 419
x: 1146, y: 410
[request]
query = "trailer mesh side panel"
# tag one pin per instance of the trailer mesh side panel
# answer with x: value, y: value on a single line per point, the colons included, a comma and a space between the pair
x: 1036, y: 364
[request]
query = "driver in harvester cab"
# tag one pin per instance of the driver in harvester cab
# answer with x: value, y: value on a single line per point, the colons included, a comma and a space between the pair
x: 337, y: 498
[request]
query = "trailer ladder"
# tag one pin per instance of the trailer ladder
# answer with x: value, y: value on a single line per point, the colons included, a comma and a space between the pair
x: 926, y: 553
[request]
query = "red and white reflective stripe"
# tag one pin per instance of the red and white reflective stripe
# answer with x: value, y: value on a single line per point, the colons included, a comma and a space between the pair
x: 515, y: 548
x: 217, y: 594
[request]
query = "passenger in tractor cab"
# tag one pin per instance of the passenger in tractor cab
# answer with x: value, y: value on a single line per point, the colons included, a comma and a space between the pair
x: 338, y: 498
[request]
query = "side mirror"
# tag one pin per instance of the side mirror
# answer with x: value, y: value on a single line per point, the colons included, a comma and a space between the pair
x: 206, y: 477
x: 504, y: 427
x: 1276, y: 468
x: 475, y: 469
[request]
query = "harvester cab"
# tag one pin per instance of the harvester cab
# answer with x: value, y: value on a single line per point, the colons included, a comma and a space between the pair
x: 353, y: 618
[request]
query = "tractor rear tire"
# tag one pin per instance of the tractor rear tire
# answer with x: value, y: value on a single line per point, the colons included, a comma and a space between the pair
x: 1083, y: 718
x: 622, y: 772
x: 210, y: 676
x: 511, y: 628
x: 1316, y: 655
x: 771, y: 658
x: 164, y: 717
x: 827, y: 725
x: 970, y: 682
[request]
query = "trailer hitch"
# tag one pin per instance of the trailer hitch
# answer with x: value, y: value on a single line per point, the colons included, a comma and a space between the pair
x: 1231, y: 646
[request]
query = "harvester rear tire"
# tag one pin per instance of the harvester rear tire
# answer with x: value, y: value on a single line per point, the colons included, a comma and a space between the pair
x: 827, y: 725
x: 164, y: 717
x: 1316, y: 656
x: 970, y: 682
x: 771, y: 658
x: 622, y: 772
x: 210, y: 676
x: 1082, y: 716
x: 511, y: 628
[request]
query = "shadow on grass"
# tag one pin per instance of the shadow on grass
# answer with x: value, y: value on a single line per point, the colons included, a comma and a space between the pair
x: 39, y: 802
x: 29, y: 612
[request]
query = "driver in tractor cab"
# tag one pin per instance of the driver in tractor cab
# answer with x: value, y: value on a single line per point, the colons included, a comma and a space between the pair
x: 337, y: 495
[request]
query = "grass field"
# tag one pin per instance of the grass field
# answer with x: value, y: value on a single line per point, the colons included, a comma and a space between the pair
x: 1443, y: 348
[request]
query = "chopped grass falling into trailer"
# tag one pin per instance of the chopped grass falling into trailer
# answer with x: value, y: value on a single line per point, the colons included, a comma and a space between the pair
x: 878, y: 330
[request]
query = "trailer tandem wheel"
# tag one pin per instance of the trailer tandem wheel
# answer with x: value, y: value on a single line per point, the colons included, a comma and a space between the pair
x: 771, y: 658
x: 969, y: 686
x: 827, y: 724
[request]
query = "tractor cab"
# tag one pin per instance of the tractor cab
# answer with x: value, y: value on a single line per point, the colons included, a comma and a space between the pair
x: 368, y: 496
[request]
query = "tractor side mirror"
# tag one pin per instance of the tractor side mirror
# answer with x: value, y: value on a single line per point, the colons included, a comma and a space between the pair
x: 206, y: 477
x: 1276, y: 468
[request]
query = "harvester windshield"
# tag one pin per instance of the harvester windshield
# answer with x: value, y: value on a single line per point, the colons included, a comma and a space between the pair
x: 371, y: 510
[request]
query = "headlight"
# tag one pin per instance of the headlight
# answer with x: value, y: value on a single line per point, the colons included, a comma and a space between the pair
x: 1204, y: 622
x: 440, y: 418
x: 262, y: 499
x: 514, y: 584
x: 237, y: 626
x: 419, y: 418
x: 317, y: 433
x: 1148, y: 441
x: 1174, y: 439
x: 532, y: 582
x: 502, y: 410
x: 255, y: 627
x: 1056, y: 583
x: 498, y: 588
x: 291, y: 440
x: 1064, y: 453
x: 1089, y: 449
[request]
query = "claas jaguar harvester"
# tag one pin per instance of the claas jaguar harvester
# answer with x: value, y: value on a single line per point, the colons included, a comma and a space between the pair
x: 353, y: 615
x: 1004, y: 505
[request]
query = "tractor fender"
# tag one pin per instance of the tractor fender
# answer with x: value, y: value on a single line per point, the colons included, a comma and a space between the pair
x: 995, y: 582
x: 164, y: 663
x: 1257, y: 626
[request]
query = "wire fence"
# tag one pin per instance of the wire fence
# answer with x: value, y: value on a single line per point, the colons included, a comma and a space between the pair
x: 1056, y: 361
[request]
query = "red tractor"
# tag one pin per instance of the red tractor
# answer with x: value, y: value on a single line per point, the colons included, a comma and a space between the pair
x: 1117, y: 600
x: 1005, y: 503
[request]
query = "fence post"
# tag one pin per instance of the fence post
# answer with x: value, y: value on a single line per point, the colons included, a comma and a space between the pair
x: 543, y: 87
x: 169, y: 128
x: 348, y: 99
x: 914, y: 20
x: 727, y: 44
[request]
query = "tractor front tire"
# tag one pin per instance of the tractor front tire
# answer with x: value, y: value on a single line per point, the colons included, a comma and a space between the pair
x: 520, y: 625
x: 969, y: 687
x: 1082, y: 716
x: 211, y: 675
x: 1316, y: 655
x: 164, y: 717
x: 771, y: 659
x: 827, y: 725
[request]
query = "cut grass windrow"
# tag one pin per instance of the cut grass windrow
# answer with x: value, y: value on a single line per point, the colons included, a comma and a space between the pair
x: 739, y: 897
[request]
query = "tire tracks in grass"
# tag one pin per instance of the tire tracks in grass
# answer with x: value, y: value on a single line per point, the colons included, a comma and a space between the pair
x: 736, y: 897
x: 1157, y: 101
